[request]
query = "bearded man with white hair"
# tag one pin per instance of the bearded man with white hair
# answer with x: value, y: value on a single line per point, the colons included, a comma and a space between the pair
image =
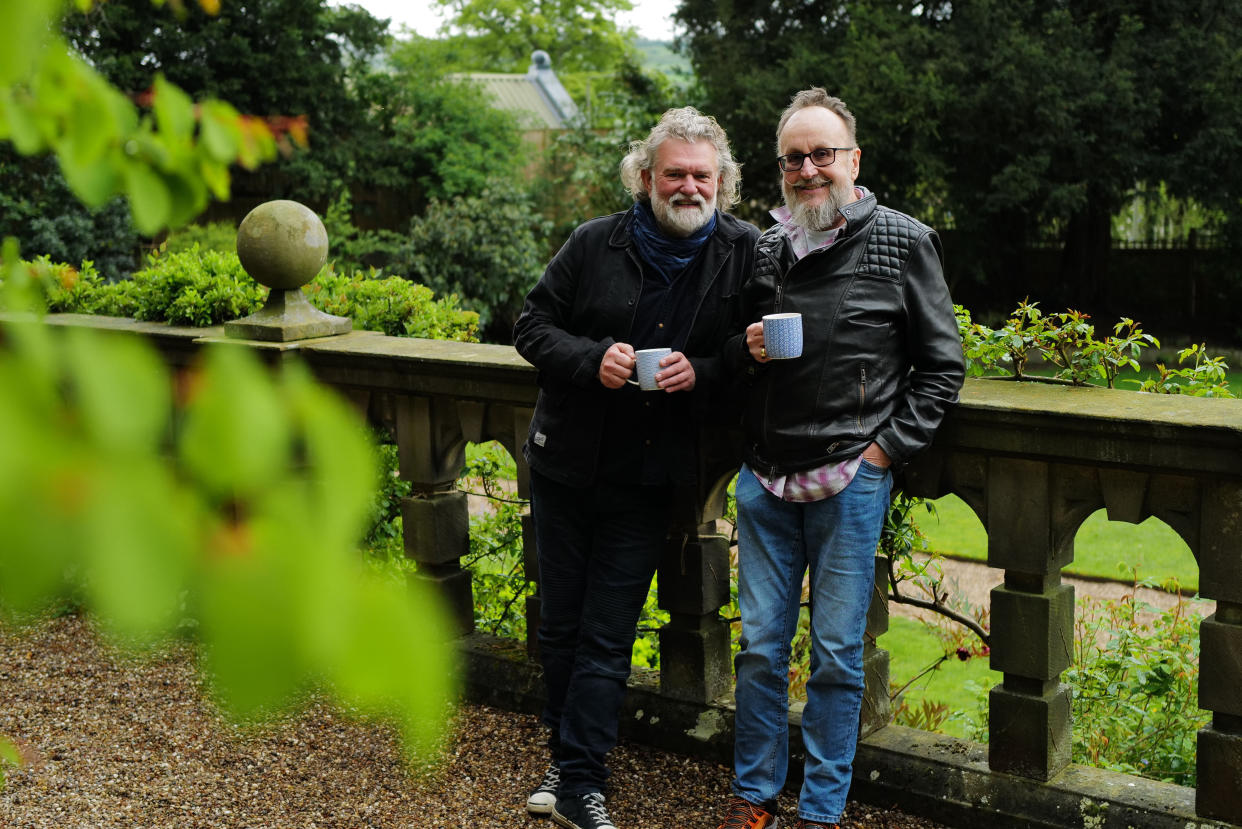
x: 881, y: 363
x: 605, y: 457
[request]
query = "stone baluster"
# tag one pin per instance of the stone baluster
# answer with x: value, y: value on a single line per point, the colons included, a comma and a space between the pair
x: 435, y: 517
x: 693, y: 584
x: 1219, y: 755
x: 1032, y: 621
x: 877, y: 708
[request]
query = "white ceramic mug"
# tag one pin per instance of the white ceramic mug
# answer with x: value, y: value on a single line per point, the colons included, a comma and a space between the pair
x: 782, y: 335
x: 646, y: 364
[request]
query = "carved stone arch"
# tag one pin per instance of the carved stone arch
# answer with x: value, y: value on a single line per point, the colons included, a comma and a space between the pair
x: 938, y: 473
x: 482, y: 422
x: 1075, y: 496
x: 713, y: 495
x: 1177, y: 501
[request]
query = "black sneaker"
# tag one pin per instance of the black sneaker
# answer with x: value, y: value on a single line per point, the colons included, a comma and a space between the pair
x: 543, y: 799
x: 582, y: 811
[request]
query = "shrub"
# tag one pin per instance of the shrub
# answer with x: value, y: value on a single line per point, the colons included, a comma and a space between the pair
x: 64, y: 288
x: 1135, y: 678
x: 392, y: 305
x: 218, y: 236
x: 208, y: 287
x: 1204, y: 377
x: 483, y: 248
x: 197, y: 288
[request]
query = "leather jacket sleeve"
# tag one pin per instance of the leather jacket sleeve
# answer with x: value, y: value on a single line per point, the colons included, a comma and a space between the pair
x: 934, y: 348
x: 541, y: 333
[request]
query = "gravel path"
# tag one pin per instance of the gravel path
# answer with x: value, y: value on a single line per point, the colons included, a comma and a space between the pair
x: 116, y: 742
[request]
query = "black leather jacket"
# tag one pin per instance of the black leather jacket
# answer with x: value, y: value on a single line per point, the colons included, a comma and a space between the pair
x: 584, y: 303
x: 882, y: 358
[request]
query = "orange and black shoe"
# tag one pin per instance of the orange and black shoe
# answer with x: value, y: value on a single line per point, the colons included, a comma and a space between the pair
x: 743, y: 814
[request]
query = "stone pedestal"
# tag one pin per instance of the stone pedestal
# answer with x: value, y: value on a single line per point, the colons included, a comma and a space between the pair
x: 282, y: 244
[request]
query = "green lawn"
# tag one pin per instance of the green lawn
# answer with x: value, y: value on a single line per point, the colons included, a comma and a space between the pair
x: 1102, y: 548
x: 912, y: 648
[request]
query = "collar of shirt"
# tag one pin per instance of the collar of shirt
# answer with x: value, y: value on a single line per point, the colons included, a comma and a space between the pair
x: 801, y: 240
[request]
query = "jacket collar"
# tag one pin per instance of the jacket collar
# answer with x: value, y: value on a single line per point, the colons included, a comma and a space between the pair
x: 857, y: 213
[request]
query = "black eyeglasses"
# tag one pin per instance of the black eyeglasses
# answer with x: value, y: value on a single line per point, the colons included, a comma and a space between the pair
x: 823, y: 157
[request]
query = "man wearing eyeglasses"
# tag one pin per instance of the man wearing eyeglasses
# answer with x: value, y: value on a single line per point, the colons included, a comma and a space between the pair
x: 606, y: 458
x: 881, y: 363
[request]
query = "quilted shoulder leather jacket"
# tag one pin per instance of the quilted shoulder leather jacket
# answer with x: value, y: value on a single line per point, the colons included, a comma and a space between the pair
x: 882, y: 358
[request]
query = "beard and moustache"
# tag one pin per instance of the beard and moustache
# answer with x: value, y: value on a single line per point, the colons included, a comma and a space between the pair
x: 821, y: 215
x: 680, y: 222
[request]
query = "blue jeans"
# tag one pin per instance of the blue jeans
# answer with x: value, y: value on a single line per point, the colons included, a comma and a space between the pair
x: 777, y: 542
x: 599, y: 546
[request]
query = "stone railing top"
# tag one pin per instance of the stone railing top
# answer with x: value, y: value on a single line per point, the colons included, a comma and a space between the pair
x: 1096, y: 402
x: 1160, y: 432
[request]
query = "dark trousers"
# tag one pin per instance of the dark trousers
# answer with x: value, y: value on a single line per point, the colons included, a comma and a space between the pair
x: 599, y: 546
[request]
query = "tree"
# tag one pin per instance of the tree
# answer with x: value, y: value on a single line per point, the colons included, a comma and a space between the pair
x: 875, y: 55
x: 167, y: 160
x: 278, y: 59
x: 500, y: 35
x: 452, y: 143
x: 1007, y: 121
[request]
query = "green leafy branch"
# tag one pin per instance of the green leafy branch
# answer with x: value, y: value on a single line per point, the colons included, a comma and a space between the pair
x: 169, y: 160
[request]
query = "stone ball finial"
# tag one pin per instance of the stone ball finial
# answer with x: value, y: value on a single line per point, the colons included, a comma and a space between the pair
x: 282, y: 244
x: 540, y: 59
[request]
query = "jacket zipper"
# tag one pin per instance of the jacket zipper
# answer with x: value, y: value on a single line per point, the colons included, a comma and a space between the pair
x: 862, y: 394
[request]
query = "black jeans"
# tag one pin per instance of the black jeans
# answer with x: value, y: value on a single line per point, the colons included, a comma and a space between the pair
x: 599, y: 546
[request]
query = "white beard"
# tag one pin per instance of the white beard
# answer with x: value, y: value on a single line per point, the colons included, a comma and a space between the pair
x: 822, y: 215
x: 680, y: 222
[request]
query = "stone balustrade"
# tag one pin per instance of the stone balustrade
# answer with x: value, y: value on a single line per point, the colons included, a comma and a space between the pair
x: 1032, y: 461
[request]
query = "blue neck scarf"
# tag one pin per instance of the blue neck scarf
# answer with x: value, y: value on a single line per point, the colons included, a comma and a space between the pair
x: 669, y: 256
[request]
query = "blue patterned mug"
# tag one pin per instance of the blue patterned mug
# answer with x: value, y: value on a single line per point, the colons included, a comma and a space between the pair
x: 782, y: 336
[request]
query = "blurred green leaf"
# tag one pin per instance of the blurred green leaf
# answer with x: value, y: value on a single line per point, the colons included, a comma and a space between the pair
x: 148, y: 197
x: 236, y: 439
x: 407, y: 630
x: 93, y: 182
x: 341, y: 457
x: 250, y: 645
x: 40, y: 518
x: 219, y: 131
x: 26, y: 24
x: 174, y: 111
x: 253, y: 546
x: 122, y: 389
x: 140, y: 539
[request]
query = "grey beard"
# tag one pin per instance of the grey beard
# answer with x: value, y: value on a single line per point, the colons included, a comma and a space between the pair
x: 677, y: 222
x: 817, y: 216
